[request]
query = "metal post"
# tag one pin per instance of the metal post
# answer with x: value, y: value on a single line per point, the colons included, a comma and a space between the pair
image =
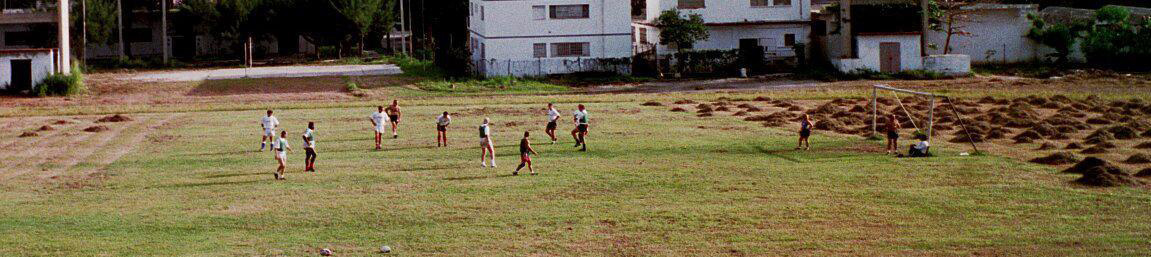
x: 120, y: 26
x: 164, y: 29
x: 874, y: 111
x: 931, y: 121
x: 64, y: 33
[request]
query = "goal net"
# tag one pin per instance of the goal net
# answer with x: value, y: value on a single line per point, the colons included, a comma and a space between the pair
x: 911, y: 109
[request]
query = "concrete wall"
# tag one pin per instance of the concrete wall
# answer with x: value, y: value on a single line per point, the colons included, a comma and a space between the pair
x: 950, y: 64
x: 869, y: 53
x: 997, y: 36
x: 727, y: 37
x: 43, y: 64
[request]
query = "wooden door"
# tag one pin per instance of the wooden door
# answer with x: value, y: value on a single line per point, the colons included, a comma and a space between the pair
x: 21, y: 75
x: 889, y: 61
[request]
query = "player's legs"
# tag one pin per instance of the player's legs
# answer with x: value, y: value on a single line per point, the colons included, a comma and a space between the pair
x: 379, y: 138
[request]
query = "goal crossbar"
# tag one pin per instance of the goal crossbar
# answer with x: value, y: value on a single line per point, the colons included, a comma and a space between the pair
x: 930, y: 115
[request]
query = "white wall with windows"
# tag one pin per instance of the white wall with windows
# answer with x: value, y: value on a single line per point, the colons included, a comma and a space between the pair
x: 776, y: 24
x: 539, y: 31
x: 734, y: 11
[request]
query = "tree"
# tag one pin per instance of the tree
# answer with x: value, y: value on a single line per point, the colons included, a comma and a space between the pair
x: 950, y: 17
x: 359, y: 14
x: 1118, y: 41
x: 1057, y: 36
x: 385, y: 22
x: 678, y: 32
x: 101, y: 21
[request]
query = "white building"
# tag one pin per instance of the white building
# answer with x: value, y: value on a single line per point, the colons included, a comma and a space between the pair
x: 880, y: 35
x: 540, y: 37
x: 28, y: 33
x: 997, y: 34
x: 774, y: 25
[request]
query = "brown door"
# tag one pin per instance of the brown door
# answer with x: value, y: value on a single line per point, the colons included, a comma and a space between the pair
x: 889, y: 57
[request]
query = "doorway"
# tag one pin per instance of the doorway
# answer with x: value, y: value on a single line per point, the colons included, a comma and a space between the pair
x: 889, y: 57
x: 21, y: 75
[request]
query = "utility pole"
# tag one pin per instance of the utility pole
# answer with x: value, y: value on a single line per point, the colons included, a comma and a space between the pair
x: 65, y: 43
x: 403, y: 39
x: 411, y: 32
x: 83, y: 30
x: 120, y: 26
x: 164, y: 30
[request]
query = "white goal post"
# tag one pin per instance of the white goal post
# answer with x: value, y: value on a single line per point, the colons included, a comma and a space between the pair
x: 875, y: 108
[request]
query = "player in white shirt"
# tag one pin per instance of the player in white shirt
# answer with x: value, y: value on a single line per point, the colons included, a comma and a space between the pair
x: 487, y: 148
x: 310, y: 147
x: 442, y: 123
x: 379, y: 119
x: 281, y: 147
x: 268, y: 124
x: 553, y: 118
x: 580, y: 118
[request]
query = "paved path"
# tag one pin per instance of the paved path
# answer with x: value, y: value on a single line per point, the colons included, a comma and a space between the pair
x: 269, y: 72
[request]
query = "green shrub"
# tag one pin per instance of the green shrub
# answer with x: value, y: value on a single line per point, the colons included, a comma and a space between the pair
x: 62, y: 85
x: 415, y: 67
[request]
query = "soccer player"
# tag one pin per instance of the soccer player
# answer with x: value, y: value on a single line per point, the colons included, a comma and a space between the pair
x: 487, y: 148
x: 280, y: 146
x: 269, y: 124
x: 394, y: 116
x: 442, y: 123
x: 805, y: 127
x: 310, y: 147
x: 892, y: 128
x: 553, y: 118
x: 378, y: 119
x: 580, y: 132
x: 526, y: 153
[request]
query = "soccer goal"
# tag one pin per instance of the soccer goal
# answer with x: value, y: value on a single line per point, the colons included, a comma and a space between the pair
x: 928, y: 124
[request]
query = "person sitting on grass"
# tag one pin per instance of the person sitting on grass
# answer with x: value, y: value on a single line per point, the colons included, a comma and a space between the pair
x: 279, y: 146
x: 442, y: 123
x: 921, y: 149
x: 805, y: 127
x: 310, y: 147
x: 526, y: 153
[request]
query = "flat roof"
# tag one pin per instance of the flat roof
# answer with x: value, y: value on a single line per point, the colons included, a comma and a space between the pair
x: 25, y: 51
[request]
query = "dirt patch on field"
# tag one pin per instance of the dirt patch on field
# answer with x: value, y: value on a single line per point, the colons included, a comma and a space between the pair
x: 45, y: 128
x: 114, y: 118
x: 293, y: 85
x: 29, y: 134
x: 1060, y: 158
x: 1097, y: 172
x: 96, y: 129
x: 1139, y: 158
x: 652, y: 104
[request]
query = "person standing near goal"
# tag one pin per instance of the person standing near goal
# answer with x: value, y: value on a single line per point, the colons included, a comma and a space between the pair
x: 268, y: 124
x: 310, y: 147
x: 487, y: 148
x: 892, y: 127
x: 553, y: 119
x: 580, y: 118
x: 378, y: 118
x: 805, y: 127
x: 442, y: 123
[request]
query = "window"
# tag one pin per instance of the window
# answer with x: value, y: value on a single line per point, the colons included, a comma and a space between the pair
x: 643, y: 35
x: 781, y: 2
x: 759, y: 3
x: 138, y: 35
x: 481, y: 12
x: 540, y: 12
x: 571, y: 49
x: 788, y: 39
x: 691, y: 4
x: 540, y: 50
x: 19, y: 38
x: 575, y: 11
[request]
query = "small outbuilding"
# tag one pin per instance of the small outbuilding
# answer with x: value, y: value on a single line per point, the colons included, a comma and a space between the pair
x: 21, y: 69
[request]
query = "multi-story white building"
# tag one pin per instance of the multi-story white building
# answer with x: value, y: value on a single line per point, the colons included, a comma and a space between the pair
x: 773, y: 25
x: 540, y: 37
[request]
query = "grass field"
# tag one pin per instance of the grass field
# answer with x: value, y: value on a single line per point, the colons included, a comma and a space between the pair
x: 653, y: 183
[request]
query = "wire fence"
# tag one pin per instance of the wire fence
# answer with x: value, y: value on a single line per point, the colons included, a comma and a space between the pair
x: 543, y: 67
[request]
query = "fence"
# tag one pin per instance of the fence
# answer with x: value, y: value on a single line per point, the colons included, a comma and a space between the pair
x: 542, y: 67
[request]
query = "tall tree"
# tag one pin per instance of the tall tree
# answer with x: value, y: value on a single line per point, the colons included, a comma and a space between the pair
x: 359, y: 14
x: 679, y: 32
x: 101, y: 21
x: 385, y: 22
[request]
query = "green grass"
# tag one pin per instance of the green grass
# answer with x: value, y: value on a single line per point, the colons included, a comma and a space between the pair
x: 654, y: 183
x: 501, y: 85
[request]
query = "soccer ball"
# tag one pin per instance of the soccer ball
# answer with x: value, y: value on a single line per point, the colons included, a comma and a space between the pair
x: 325, y: 252
x: 385, y: 249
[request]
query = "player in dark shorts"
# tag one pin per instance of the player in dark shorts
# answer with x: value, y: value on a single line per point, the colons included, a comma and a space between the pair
x: 805, y: 127
x: 892, y: 129
x: 310, y: 147
x: 553, y: 118
x: 394, y: 114
x: 526, y: 153
x: 580, y: 132
x: 442, y: 123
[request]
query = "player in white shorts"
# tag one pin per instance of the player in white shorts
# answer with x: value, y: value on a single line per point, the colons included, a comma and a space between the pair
x: 281, y: 148
x: 269, y: 124
x: 487, y: 148
x: 553, y: 119
x: 379, y: 120
x: 442, y: 123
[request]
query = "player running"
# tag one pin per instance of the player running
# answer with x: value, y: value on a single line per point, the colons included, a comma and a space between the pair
x: 442, y: 123
x: 526, y: 153
x: 394, y: 115
x: 553, y: 119
x: 269, y: 124
x: 487, y: 148
x: 805, y: 127
x: 892, y: 128
x: 378, y: 118
x: 580, y: 118
x: 310, y: 147
x: 281, y: 147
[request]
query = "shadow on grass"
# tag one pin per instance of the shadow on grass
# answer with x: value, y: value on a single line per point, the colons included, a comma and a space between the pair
x: 477, y: 177
x: 236, y: 175
x: 221, y: 183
